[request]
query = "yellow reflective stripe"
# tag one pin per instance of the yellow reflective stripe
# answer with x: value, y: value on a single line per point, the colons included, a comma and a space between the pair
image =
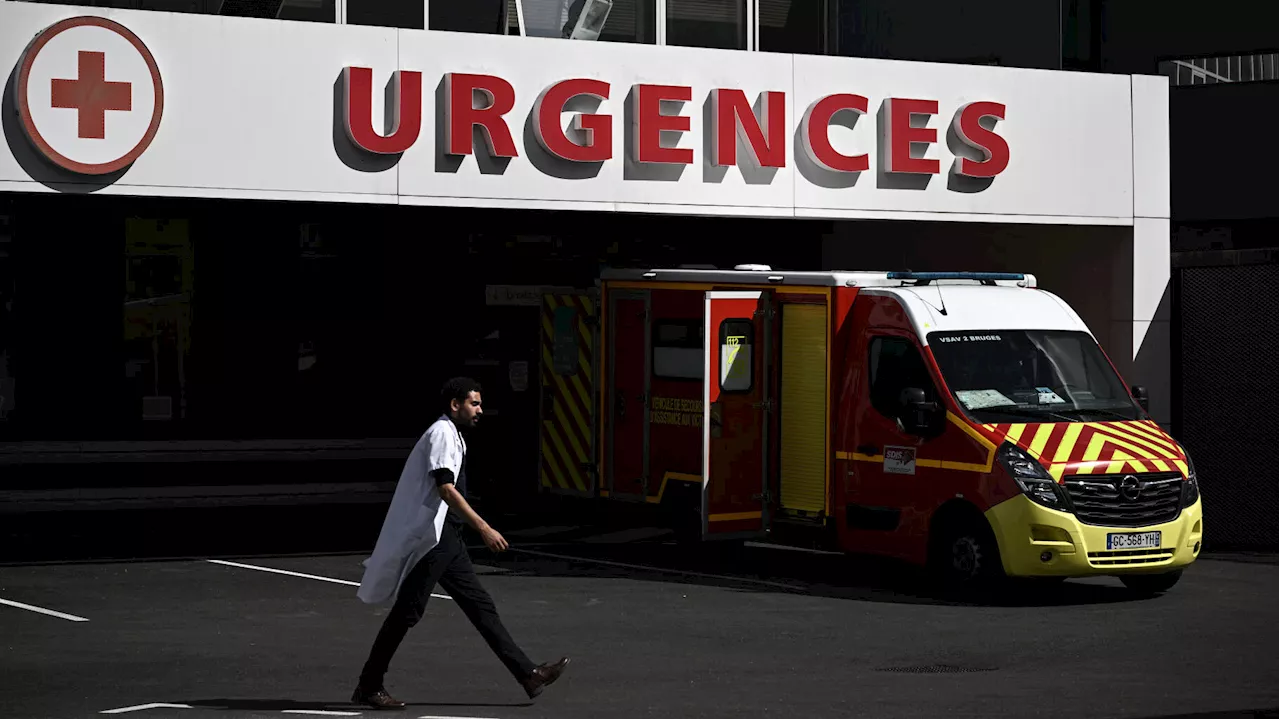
x: 1068, y: 442
x: 1041, y: 439
x: 734, y: 516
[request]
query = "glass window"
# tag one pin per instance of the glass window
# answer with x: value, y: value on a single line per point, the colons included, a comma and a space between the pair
x: 1036, y: 375
x: 793, y: 26
x: 895, y: 365
x: 478, y: 16
x: 600, y: 20
x: 309, y: 10
x: 677, y: 350
x: 707, y: 23
x: 388, y: 13
x: 737, y: 338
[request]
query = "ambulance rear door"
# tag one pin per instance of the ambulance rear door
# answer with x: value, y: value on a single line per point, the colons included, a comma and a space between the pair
x: 736, y: 412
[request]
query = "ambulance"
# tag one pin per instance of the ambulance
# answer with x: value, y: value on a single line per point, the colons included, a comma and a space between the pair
x: 963, y: 421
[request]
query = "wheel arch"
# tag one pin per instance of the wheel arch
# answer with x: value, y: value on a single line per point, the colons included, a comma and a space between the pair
x: 953, y: 514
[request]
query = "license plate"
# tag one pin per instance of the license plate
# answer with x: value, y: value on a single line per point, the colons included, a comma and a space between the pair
x: 1140, y: 540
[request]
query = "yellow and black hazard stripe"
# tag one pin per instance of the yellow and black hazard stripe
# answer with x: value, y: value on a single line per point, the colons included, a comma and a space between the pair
x: 566, y: 422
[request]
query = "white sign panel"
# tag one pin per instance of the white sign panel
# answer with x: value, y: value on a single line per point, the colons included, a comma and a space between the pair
x: 177, y: 104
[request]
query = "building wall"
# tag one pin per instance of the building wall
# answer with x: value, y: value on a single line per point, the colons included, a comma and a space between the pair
x: 269, y: 121
x: 1218, y: 132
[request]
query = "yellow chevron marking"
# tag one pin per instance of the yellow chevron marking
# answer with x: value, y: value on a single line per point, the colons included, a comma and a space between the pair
x: 1015, y: 432
x: 1182, y: 466
x: 1056, y: 471
x: 579, y: 453
x: 1121, y: 460
x: 564, y: 390
x: 1068, y: 442
x: 1040, y: 440
x: 1133, y: 445
x: 570, y: 467
x: 1156, y: 436
x: 1120, y: 443
x: 1161, y: 465
x: 583, y: 393
x: 553, y: 464
x: 1152, y: 449
x: 1091, y: 453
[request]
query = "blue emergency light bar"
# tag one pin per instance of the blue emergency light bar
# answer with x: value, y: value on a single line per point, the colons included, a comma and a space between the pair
x: 980, y: 276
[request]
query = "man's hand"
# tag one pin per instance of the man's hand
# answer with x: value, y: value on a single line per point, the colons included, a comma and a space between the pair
x: 493, y: 540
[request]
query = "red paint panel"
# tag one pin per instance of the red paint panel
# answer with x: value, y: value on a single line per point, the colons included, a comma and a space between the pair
x: 626, y: 397
x: 676, y: 410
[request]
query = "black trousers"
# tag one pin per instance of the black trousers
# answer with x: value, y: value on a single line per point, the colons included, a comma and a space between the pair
x: 449, y: 565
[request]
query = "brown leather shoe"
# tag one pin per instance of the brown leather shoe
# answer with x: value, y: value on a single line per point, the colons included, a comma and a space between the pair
x: 378, y: 699
x: 543, y: 676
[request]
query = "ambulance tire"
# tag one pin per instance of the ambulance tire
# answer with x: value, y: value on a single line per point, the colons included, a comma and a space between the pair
x: 1150, y: 585
x: 963, y: 553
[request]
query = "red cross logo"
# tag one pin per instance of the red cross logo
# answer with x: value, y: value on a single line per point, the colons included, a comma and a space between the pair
x: 92, y: 95
x: 101, y: 71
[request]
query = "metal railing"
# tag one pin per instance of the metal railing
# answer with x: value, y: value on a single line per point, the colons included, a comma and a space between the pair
x: 1257, y: 67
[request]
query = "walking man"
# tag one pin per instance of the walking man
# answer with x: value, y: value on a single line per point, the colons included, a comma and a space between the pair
x: 421, y: 544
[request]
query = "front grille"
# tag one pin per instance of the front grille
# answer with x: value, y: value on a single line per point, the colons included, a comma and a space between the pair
x: 1130, y: 557
x: 1099, y: 500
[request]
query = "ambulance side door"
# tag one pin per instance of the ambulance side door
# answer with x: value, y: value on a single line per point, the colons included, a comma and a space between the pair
x: 736, y: 413
x: 883, y: 486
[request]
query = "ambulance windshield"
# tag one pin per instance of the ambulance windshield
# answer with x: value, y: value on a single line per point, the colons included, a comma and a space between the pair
x: 1031, y: 375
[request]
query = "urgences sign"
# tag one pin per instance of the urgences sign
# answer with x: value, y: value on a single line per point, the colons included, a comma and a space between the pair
x: 653, y: 129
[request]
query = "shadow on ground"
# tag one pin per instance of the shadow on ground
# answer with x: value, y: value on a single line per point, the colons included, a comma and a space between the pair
x: 772, y: 570
x: 264, y: 532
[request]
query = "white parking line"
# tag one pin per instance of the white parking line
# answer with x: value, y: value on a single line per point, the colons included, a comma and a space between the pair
x: 140, y: 707
x: 40, y: 610
x: 300, y: 574
x: 321, y: 713
x: 681, y: 572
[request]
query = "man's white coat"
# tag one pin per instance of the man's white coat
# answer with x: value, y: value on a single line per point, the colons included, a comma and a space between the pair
x: 416, y: 516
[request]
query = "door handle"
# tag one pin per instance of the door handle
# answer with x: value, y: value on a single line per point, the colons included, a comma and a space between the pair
x: 868, y: 450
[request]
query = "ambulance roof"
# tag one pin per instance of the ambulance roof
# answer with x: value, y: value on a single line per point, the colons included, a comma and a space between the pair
x: 982, y: 309
x: 974, y: 301
x: 764, y: 275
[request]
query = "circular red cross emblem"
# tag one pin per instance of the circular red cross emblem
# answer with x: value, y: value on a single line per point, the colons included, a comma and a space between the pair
x: 89, y: 95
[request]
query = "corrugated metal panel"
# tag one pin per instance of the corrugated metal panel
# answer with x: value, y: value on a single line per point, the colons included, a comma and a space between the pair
x: 804, y: 407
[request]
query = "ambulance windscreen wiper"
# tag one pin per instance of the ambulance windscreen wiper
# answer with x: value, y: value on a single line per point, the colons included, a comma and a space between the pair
x: 1030, y: 413
x: 1105, y: 412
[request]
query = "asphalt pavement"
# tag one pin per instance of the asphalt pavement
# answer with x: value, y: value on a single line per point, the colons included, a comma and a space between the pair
x: 654, y: 629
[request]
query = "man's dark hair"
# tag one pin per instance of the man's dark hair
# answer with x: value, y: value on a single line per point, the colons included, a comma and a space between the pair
x: 457, y: 388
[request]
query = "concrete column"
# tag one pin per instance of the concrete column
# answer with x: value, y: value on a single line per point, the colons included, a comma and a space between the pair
x: 1150, y: 321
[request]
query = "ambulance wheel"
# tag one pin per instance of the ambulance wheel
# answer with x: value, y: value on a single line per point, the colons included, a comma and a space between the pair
x: 1149, y: 585
x: 964, y: 553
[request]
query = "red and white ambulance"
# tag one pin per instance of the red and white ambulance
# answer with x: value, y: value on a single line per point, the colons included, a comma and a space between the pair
x: 967, y: 421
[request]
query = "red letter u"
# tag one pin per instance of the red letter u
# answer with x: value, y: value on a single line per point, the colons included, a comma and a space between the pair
x: 406, y: 88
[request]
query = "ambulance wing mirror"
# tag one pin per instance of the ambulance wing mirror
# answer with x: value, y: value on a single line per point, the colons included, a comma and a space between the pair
x: 1141, y: 397
x: 917, y: 414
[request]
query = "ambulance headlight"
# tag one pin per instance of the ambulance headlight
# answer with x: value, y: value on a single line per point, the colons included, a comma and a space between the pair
x: 1032, y: 478
x: 1191, y: 487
